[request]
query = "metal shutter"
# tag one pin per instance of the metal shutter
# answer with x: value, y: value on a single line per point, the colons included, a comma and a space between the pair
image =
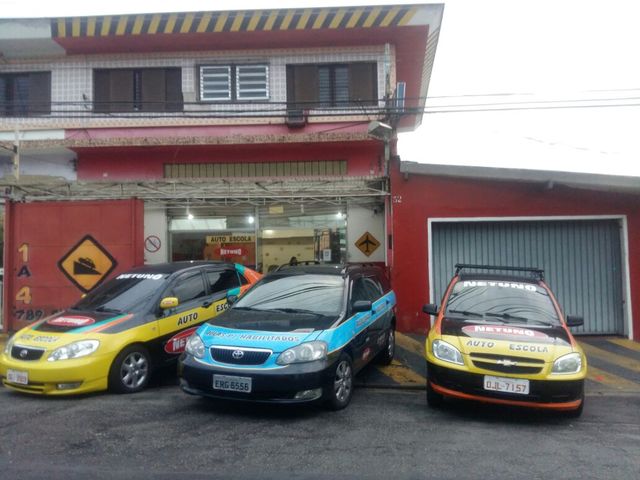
x: 581, y: 258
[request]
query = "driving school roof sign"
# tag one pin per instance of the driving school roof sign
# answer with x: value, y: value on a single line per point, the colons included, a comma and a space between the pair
x: 87, y: 264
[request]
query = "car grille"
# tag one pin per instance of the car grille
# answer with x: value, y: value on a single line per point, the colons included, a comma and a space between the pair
x: 18, y: 353
x: 494, y: 363
x: 497, y: 367
x: 233, y: 356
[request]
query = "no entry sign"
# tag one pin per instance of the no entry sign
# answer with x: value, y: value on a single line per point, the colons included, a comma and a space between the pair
x: 152, y: 244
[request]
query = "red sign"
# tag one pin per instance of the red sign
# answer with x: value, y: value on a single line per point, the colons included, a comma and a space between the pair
x: 177, y: 343
x: 71, y: 321
x: 226, y: 251
x: 496, y: 332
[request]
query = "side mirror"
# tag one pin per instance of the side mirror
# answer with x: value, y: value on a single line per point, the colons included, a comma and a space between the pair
x: 361, y: 306
x: 231, y: 299
x: 430, y: 309
x: 574, y: 321
x: 169, y: 302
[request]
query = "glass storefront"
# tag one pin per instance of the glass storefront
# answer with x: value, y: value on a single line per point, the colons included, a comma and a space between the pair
x: 265, y: 239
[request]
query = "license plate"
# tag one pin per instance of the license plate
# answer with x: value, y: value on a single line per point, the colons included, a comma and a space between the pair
x: 231, y: 383
x: 16, y: 376
x: 509, y: 385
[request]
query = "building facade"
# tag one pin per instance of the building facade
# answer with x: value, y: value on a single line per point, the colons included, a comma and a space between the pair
x: 250, y: 136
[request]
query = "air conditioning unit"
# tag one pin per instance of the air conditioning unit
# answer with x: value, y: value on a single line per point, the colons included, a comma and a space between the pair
x: 296, y: 118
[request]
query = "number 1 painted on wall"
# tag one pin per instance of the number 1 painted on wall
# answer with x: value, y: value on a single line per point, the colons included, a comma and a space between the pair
x: 24, y: 250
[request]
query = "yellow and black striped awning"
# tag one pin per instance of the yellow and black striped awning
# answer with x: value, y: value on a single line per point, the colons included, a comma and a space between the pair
x: 234, y: 21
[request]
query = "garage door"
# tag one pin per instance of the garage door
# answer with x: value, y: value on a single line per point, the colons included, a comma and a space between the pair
x: 581, y: 258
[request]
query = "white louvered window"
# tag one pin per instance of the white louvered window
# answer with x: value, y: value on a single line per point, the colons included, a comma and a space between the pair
x: 234, y: 83
x: 215, y: 83
x: 252, y: 82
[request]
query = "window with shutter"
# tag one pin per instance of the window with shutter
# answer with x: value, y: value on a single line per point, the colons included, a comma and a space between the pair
x: 215, y: 83
x: 24, y: 94
x: 252, y: 82
x: 332, y: 85
x: 137, y: 90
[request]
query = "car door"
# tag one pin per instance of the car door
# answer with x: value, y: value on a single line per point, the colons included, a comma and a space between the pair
x: 221, y: 282
x: 194, y: 306
x: 361, y: 340
x: 377, y: 327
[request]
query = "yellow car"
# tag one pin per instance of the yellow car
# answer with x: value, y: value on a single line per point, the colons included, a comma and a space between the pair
x: 115, y: 336
x: 500, y: 337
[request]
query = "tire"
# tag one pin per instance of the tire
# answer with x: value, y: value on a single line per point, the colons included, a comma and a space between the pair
x: 339, y: 389
x: 385, y: 357
x: 130, y: 370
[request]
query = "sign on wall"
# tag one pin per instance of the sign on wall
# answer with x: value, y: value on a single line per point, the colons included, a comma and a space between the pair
x: 87, y: 264
x: 367, y: 244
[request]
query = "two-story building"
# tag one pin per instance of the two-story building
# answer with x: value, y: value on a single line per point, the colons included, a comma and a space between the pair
x: 252, y: 136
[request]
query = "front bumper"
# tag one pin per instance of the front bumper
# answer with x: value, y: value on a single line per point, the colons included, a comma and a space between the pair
x: 546, y: 394
x: 267, y: 386
x: 90, y: 373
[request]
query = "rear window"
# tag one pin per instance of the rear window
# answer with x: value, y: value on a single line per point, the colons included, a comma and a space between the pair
x: 502, y: 302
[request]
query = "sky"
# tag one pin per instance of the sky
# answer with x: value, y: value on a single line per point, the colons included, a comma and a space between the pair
x: 513, y: 55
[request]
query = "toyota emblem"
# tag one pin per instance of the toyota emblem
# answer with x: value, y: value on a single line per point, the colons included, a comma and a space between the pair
x: 237, y: 354
x: 23, y: 353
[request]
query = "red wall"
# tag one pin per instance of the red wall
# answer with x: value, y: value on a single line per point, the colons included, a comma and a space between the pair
x: 39, y: 235
x: 420, y: 197
x: 144, y: 163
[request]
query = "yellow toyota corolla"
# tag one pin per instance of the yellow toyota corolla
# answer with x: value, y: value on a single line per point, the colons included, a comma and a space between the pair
x: 501, y: 337
x: 115, y: 336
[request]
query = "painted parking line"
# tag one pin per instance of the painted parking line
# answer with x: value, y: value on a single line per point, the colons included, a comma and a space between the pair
x: 626, y: 343
x: 620, y: 360
x: 402, y: 374
x: 410, y: 344
x: 610, y: 381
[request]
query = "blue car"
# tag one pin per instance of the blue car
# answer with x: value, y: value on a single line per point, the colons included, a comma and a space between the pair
x: 299, y: 335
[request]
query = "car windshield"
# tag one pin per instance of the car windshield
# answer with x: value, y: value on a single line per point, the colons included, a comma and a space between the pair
x: 495, y: 301
x: 319, y: 296
x: 125, y: 293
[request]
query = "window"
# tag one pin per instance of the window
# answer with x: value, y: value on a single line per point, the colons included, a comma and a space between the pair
x: 189, y: 287
x: 24, y: 94
x: 365, y: 289
x: 219, y: 83
x: 137, y: 90
x: 222, y: 281
x: 332, y: 85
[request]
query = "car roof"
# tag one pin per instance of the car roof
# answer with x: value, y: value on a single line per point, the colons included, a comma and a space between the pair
x: 173, y: 267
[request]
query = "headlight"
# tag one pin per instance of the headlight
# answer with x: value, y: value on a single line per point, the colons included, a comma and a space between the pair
x: 570, y: 363
x: 195, y: 346
x: 447, y: 352
x: 74, y: 350
x: 9, y: 346
x: 305, y: 352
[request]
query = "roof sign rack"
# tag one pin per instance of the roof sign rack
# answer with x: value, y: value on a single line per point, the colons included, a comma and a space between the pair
x: 538, y: 272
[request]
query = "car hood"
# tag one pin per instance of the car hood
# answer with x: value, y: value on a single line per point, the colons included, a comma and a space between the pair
x: 66, y: 326
x: 277, y: 341
x: 543, y: 343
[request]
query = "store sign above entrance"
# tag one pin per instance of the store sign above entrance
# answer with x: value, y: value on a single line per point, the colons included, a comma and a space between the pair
x: 367, y: 244
x: 87, y: 264
x: 239, y: 238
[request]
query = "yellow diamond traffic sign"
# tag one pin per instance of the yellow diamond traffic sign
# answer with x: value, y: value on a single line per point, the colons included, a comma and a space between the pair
x: 87, y: 264
x: 367, y: 244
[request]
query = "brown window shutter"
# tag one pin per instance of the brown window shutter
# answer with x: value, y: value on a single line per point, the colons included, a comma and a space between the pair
x: 363, y: 84
x: 39, y: 101
x: 101, y: 91
x: 121, y: 91
x: 302, y: 86
x: 173, y: 79
x: 153, y: 91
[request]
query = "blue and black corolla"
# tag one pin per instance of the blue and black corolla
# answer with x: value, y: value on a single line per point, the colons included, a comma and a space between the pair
x: 299, y: 335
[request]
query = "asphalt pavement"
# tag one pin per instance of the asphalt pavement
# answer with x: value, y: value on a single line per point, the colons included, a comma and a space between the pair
x: 384, y: 433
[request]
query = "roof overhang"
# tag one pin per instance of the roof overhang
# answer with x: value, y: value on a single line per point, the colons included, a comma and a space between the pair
x: 590, y: 181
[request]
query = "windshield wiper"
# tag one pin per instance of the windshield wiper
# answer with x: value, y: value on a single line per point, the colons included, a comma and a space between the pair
x: 295, y: 310
x: 249, y: 308
x: 506, y: 316
x: 467, y: 313
x: 108, y: 310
